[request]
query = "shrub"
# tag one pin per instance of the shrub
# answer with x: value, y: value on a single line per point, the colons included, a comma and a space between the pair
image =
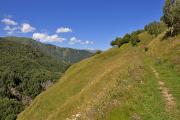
x: 132, y: 38
x: 146, y: 49
x: 98, y: 52
x: 155, y: 28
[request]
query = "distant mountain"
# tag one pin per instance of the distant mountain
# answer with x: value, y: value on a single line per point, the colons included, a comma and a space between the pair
x: 92, y: 50
x: 67, y: 54
x: 28, y: 67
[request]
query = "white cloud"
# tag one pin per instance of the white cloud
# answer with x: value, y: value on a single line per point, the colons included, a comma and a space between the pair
x: 8, y: 21
x: 88, y: 42
x: 26, y: 28
x: 10, y: 30
x: 43, y: 37
x: 63, y: 30
x: 74, y: 40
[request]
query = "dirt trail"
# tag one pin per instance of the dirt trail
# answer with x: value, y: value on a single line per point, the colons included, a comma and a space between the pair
x: 170, y: 101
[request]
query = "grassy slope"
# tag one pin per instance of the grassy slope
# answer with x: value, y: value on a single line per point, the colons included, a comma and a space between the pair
x: 115, y: 85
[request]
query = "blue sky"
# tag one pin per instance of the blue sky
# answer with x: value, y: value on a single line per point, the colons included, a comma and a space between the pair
x: 82, y: 24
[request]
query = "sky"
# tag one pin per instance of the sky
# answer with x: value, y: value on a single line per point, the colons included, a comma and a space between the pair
x: 81, y: 24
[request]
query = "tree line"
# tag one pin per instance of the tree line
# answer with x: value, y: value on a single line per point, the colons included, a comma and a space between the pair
x: 169, y: 24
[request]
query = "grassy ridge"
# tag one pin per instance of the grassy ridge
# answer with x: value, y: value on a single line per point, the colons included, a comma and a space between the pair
x: 115, y: 85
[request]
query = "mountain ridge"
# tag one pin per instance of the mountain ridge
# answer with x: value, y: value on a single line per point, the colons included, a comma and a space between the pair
x: 116, y: 84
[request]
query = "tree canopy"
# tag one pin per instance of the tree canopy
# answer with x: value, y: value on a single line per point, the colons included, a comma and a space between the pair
x: 171, y: 16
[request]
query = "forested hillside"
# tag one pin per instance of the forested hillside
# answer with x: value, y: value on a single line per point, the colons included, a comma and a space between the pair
x: 28, y: 67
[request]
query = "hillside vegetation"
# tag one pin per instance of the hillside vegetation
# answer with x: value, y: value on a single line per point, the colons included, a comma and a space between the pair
x: 28, y: 67
x: 126, y: 83
x: 138, y: 79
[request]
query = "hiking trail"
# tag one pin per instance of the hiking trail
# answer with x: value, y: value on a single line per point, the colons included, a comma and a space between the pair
x: 170, y: 101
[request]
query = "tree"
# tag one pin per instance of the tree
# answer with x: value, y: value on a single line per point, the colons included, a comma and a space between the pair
x: 126, y: 38
x: 167, y: 17
x: 176, y: 18
x: 171, y: 16
x: 116, y: 42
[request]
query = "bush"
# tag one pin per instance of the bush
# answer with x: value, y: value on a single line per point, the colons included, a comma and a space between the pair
x: 155, y: 28
x: 98, y: 52
x: 132, y: 38
x: 146, y: 49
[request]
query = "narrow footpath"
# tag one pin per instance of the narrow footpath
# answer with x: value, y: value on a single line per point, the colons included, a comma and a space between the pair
x: 165, y: 92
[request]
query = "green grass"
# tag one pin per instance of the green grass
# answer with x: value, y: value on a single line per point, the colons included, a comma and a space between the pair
x: 143, y: 102
x: 168, y: 66
x: 115, y: 85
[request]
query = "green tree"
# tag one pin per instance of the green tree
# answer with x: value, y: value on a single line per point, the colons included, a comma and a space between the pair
x: 167, y: 17
x: 126, y: 38
x: 176, y: 17
x: 171, y: 16
x: 116, y: 42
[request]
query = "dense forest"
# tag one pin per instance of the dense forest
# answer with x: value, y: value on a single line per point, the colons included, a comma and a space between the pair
x: 28, y: 67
